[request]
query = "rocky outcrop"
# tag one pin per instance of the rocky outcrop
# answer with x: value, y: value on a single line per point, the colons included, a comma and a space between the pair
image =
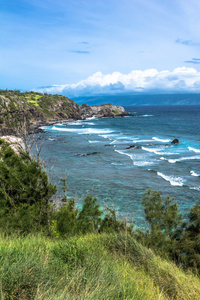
x: 108, y: 110
x: 130, y: 147
x: 87, y: 154
x: 101, y: 111
x: 85, y: 111
x: 16, y: 143
x: 175, y: 142
x: 31, y: 110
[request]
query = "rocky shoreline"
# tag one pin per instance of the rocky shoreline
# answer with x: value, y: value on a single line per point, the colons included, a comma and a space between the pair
x: 85, y: 111
x: 27, y: 112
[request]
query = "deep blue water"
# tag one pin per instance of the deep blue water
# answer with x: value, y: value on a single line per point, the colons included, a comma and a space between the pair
x: 119, y: 176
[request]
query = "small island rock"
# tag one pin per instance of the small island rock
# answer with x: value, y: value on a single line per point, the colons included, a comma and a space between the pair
x: 175, y: 142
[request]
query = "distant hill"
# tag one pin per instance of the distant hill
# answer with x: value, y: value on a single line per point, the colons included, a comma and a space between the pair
x: 141, y: 99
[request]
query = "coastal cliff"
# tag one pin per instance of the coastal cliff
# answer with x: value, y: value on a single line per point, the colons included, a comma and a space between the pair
x: 31, y: 110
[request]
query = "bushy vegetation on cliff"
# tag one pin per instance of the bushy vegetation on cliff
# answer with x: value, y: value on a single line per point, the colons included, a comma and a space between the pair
x: 64, y: 252
x: 18, y: 108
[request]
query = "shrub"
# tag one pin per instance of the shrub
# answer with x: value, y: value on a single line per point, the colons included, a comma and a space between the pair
x: 24, y: 192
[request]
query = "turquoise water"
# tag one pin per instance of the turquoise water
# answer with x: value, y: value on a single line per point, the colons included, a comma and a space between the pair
x: 119, y: 176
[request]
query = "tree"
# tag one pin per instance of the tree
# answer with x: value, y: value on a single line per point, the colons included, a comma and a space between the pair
x: 89, y: 218
x: 110, y: 223
x: 25, y: 191
x: 66, y: 219
x: 165, y: 221
x: 190, y: 242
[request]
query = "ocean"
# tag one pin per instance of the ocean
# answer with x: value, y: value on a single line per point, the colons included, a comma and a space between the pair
x: 117, y: 176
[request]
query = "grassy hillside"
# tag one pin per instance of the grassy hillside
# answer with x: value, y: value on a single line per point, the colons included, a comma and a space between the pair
x: 30, y: 109
x: 69, y: 252
x: 106, y: 266
x: 17, y: 108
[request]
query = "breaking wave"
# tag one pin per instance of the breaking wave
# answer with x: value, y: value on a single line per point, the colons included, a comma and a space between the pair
x: 91, y: 142
x: 176, y: 181
x: 82, y: 131
x: 160, y: 140
x: 173, y: 161
x: 194, y: 174
x: 193, y: 149
x: 153, y: 150
x: 196, y: 188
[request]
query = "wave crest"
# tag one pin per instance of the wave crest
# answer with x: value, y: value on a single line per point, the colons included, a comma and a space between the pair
x: 176, y: 181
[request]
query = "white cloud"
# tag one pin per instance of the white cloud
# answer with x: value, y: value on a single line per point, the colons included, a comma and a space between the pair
x: 179, y: 80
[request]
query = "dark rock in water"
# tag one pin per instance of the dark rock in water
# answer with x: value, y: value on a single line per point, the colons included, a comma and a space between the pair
x: 167, y: 145
x: 92, y: 153
x: 133, y: 147
x: 107, y: 145
x: 149, y: 144
x: 39, y: 130
x: 130, y: 147
x: 175, y: 142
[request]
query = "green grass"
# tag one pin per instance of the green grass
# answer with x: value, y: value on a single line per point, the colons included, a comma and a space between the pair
x: 94, y: 266
x: 116, y: 112
x: 37, y: 96
x: 33, y: 102
x: 30, y: 98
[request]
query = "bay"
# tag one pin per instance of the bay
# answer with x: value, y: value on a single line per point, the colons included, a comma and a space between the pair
x: 118, y: 176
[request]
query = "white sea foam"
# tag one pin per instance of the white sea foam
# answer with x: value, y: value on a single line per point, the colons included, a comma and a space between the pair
x: 146, y: 116
x: 193, y: 149
x: 124, y: 153
x: 89, y: 123
x: 82, y: 131
x: 173, y: 161
x: 125, y: 138
x: 161, y: 140
x: 196, y: 188
x: 91, y: 118
x: 142, y: 163
x: 153, y: 150
x: 167, y: 153
x: 51, y: 139
x: 78, y: 123
x: 105, y: 136
x: 91, y: 142
x: 75, y: 123
x: 142, y: 141
x: 176, y: 181
x: 65, y: 129
x: 113, y: 142
x: 94, y: 131
x: 194, y: 174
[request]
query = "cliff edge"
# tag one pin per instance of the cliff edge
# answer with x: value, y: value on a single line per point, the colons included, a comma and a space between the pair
x: 30, y: 110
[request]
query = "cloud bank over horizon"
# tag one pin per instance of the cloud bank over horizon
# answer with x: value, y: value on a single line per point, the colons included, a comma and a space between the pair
x: 181, y: 80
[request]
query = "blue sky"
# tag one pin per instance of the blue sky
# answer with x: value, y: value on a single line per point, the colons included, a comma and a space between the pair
x: 109, y: 45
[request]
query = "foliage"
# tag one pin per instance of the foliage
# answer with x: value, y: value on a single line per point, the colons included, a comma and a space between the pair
x: 110, y: 223
x: 66, y: 224
x: 24, y: 192
x: 93, y: 266
x: 189, y: 248
x: 16, y: 107
x: 168, y: 235
x: 116, y: 112
x: 89, y: 218
x: 165, y: 221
